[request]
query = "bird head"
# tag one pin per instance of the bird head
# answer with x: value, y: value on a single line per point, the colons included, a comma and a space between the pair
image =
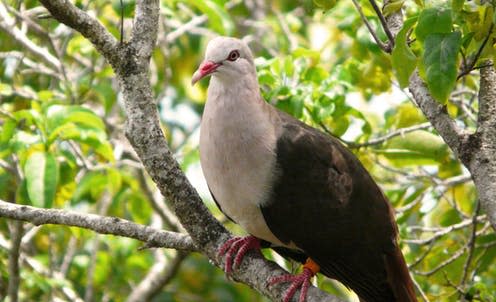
x: 226, y: 58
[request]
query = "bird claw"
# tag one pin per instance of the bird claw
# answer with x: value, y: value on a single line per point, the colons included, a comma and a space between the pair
x: 300, y: 281
x: 237, y: 246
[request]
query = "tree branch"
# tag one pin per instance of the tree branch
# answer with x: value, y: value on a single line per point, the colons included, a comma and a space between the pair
x: 439, y: 232
x: 437, y: 114
x: 483, y: 163
x: 385, y: 47
x: 468, y: 67
x: 100, y: 224
x: 390, y: 135
x: 16, y: 231
x: 471, y: 248
x: 7, y: 24
x: 67, y: 13
x: 384, y: 24
x: 476, y: 151
x: 131, y: 64
x: 160, y: 274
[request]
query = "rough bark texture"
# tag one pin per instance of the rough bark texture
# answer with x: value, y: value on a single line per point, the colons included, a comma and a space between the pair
x: 16, y: 230
x: 100, y: 224
x: 130, y: 61
x: 476, y: 151
x: 436, y: 114
x: 483, y: 162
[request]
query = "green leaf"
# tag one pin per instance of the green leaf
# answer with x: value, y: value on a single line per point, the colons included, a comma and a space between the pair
x: 58, y: 115
x: 45, y: 95
x: 30, y: 117
x: 41, y: 174
x: 457, y: 5
x: 266, y: 78
x: 415, y: 148
x: 419, y: 3
x: 90, y: 187
x: 467, y: 39
x: 406, y: 115
x: 114, y: 180
x: 433, y: 21
x: 127, y: 7
x: 440, y: 63
x: 325, y: 4
x: 392, y: 7
x: 404, y: 60
x: 218, y: 17
x: 94, y: 138
x: 8, y: 129
x: 5, y: 89
x: 301, y: 52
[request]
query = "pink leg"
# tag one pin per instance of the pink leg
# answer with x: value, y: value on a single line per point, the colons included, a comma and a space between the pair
x: 300, y: 281
x: 237, y: 247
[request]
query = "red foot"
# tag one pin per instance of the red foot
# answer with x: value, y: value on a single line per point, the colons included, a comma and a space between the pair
x: 301, y: 281
x: 237, y: 247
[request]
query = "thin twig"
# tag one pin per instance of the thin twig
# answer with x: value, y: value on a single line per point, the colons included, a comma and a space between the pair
x: 89, y: 291
x: 383, y: 23
x: 467, y: 69
x: 421, y: 257
x: 191, y: 24
x: 484, y: 65
x: 471, y: 246
x: 454, y: 257
x: 457, y: 288
x: 382, y: 139
x: 451, y: 259
x: 158, y: 205
x: 159, y: 275
x: 419, y: 290
x: 386, y: 48
x: 69, y: 254
x: 409, y: 206
x: 122, y: 21
x: 453, y: 181
x: 293, y: 43
x: 439, y: 232
x: 16, y: 231
x: 67, y: 290
x: 7, y: 24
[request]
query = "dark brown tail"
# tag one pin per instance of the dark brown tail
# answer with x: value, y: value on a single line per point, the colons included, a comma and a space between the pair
x: 399, y: 277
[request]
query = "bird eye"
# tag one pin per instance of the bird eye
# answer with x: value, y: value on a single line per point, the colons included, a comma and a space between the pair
x: 233, y: 55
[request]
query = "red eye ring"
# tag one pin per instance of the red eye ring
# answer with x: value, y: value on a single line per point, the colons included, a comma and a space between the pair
x: 233, y: 55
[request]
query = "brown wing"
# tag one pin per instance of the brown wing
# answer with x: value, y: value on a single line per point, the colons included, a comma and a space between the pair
x: 326, y: 203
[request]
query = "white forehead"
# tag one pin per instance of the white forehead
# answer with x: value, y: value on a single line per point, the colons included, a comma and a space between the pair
x: 219, y: 48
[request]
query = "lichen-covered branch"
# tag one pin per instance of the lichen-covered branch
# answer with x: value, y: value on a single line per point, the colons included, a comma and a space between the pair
x: 100, y: 224
x: 16, y: 232
x: 483, y: 163
x: 437, y: 114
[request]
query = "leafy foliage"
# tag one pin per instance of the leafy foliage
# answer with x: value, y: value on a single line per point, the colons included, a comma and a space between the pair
x: 62, y: 143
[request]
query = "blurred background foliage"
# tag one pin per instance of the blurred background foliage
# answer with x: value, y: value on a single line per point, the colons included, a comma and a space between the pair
x: 62, y: 143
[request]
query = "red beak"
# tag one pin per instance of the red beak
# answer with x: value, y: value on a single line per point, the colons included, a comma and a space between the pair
x: 206, y: 68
